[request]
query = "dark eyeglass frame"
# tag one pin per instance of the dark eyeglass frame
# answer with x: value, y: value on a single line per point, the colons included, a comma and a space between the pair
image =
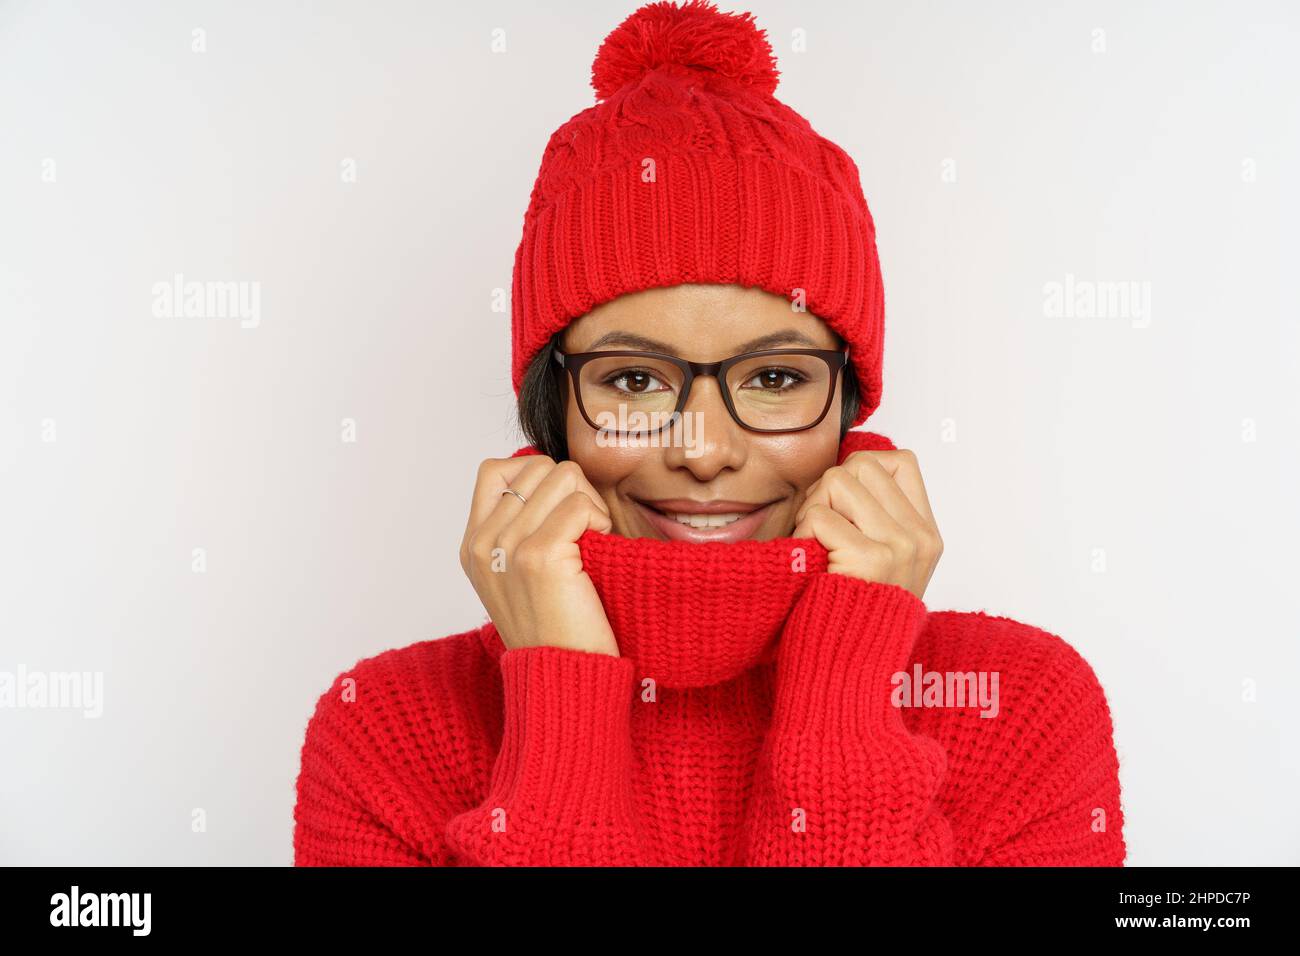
x: 836, y: 360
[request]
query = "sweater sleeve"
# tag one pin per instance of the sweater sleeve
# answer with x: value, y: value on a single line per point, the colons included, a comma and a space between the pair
x: 1060, y: 799
x: 840, y: 779
x: 560, y: 792
x: 338, y: 820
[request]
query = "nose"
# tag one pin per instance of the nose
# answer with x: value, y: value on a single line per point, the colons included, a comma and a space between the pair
x: 707, y: 439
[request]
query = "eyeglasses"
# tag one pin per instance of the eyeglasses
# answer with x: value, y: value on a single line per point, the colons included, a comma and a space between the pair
x: 629, y: 392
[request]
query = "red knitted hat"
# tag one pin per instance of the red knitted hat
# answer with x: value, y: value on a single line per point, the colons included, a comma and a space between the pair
x: 688, y: 169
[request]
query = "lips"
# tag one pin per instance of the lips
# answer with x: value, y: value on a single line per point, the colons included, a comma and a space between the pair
x: 688, y: 506
x: 684, y: 520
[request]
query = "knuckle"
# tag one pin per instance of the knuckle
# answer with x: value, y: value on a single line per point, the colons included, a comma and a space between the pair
x: 480, y: 551
x: 927, y: 536
x: 817, y: 511
x: 570, y: 470
x: 880, y: 554
x: 535, y: 463
x: 835, y: 476
x: 540, y: 464
x: 507, y: 541
x: 530, y: 555
x: 906, y: 547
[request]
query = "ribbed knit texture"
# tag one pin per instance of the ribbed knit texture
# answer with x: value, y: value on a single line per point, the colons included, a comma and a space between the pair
x: 690, y: 170
x: 748, y: 722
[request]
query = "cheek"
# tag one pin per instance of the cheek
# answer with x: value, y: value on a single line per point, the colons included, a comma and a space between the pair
x: 605, y: 467
x: 802, y: 457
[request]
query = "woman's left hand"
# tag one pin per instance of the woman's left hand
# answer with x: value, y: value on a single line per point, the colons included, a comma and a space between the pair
x: 872, y: 515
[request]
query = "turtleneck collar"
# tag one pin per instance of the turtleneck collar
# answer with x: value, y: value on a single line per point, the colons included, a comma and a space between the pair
x: 691, y: 615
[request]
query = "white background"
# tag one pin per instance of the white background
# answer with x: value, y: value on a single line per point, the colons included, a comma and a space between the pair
x: 1071, y: 434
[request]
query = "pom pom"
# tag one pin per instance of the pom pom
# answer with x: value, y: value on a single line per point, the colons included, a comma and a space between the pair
x: 696, y: 35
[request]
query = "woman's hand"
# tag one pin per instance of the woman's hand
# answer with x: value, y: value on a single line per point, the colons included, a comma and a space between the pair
x: 523, y: 559
x: 873, y: 516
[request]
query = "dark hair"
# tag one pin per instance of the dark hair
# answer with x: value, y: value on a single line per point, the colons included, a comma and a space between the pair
x: 543, y: 398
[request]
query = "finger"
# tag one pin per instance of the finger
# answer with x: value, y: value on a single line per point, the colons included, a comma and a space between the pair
x: 872, y: 474
x: 836, y: 532
x: 563, y: 525
x: 814, y: 494
x: 571, y: 473
x: 902, y: 466
x: 551, y: 545
x: 565, y: 479
x: 845, y: 494
x: 502, y: 508
x: 827, y: 526
x: 495, y: 475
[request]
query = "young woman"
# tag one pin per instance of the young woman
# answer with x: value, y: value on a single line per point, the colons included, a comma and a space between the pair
x: 708, y: 643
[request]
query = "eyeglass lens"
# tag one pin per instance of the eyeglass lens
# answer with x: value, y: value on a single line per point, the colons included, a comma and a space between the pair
x: 772, y: 391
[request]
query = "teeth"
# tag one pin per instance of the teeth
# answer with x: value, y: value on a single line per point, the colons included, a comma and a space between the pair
x: 705, y: 521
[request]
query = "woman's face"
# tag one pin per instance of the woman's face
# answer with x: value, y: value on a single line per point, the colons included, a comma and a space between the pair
x: 764, y: 477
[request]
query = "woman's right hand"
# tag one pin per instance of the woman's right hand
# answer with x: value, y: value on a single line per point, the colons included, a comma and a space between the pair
x: 523, y: 558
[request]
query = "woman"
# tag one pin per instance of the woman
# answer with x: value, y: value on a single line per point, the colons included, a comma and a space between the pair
x: 708, y: 642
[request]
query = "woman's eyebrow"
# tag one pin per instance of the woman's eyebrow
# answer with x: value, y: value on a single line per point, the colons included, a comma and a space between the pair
x: 634, y: 341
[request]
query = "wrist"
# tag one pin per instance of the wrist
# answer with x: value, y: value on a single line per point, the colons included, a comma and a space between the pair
x: 842, y: 645
x: 566, y: 748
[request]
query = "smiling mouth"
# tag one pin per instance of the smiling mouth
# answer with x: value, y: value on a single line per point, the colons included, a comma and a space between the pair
x: 702, y: 520
x: 684, y: 520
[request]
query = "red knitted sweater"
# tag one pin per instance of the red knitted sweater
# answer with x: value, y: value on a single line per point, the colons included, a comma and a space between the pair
x: 753, y: 719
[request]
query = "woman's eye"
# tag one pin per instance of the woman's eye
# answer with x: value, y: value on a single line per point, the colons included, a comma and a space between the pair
x: 636, y: 381
x: 773, y: 379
